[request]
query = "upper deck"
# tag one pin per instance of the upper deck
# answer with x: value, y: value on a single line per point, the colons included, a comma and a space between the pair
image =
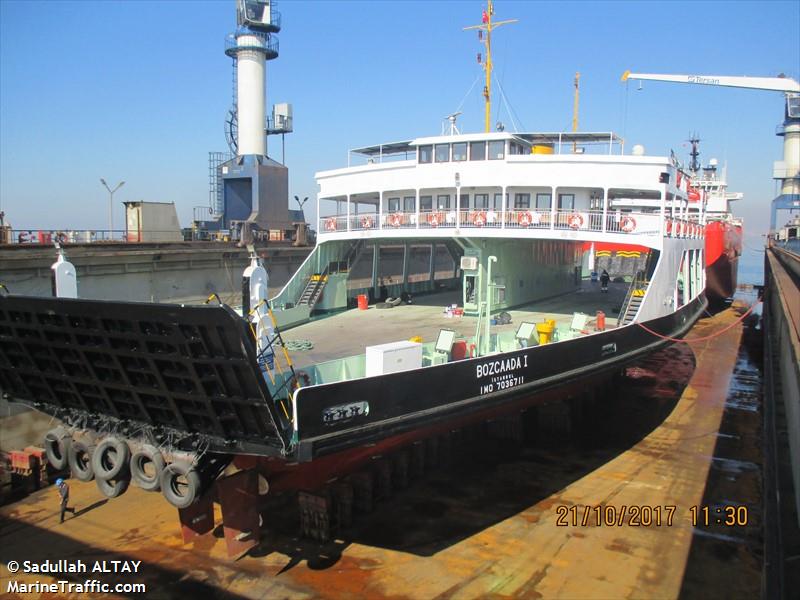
x: 543, y: 185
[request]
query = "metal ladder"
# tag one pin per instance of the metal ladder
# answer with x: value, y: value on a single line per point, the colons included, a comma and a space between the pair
x: 634, y: 298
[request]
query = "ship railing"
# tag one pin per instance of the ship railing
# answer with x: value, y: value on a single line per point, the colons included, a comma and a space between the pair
x: 48, y: 237
x: 629, y: 222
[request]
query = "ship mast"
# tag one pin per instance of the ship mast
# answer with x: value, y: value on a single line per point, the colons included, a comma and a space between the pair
x: 575, y: 110
x: 488, y: 26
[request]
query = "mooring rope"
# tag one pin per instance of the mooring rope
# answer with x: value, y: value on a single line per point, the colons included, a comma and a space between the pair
x: 704, y: 338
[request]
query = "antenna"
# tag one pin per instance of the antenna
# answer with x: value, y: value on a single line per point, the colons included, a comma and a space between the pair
x: 452, y: 129
x: 487, y: 25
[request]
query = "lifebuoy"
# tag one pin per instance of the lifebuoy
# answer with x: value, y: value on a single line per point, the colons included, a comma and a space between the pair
x: 479, y: 218
x: 330, y: 224
x: 433, y: 219
x: 366, y: 222
x: 525, y: 219
x: 669, y: 227
x: 303, y: 378
x: 627, y: 224
x: 575, y: 221
x: 395, y: 220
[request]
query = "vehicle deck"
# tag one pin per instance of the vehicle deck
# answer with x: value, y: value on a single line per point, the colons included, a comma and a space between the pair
x: 349, y: 332
x: 485, y: 528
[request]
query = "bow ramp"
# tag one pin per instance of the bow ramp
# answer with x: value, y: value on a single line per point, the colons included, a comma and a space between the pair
x: 186, y: 374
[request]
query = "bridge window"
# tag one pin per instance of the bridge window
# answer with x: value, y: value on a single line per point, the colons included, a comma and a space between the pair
x: 443, y: 201
x: 460, y: 151
x: 522, y: 200
x: 477, y: 150
x: 442, y: 152
x: 497, y: 150
x: 464, y: 201
x: 409, y: 204
x: 566, y: 201
x: 543, y: 201
x: 425, y: 154
x: 498, y: 202
x: 481, y: 200
x: 426, y: 203
x: 394, y: 204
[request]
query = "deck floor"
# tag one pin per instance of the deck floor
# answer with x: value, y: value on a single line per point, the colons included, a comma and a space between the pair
x: 348, y: 333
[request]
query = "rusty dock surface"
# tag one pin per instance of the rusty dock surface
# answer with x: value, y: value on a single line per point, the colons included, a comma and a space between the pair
x: 501, y: 522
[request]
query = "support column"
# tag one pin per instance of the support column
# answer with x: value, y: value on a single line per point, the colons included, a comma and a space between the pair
x: 379, y: 224
x: 505, y: 207
x: 348, y: 212
x: 433, y: 264
x: 663, y: 208
x: 605, y: 209
x: 553, y: 200
x: 405, y: 263
x: 375, y: 266
x: 416, y: 207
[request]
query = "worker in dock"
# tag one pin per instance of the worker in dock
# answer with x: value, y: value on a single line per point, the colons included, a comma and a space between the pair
x: 604, y: 279
x: 63, y: 493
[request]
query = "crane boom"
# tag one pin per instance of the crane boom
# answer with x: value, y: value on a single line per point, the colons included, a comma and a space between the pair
x: 775, y: 84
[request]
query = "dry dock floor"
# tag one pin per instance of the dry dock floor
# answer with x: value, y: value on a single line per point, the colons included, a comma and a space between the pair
x: 488, y: 527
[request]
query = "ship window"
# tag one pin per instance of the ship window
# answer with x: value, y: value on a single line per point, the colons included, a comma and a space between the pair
x: 481, y: 200
x: 426, y: 203
x: 793, y: 107
x: 497, y: 150
x: 460, y: 151
x: 409, y: 204
x: 464, y: 201
x: 543, y: 201
x: 477, y: 150
x: 394, y: 204
x: 442, y: 152
x: 425, y: 154
x: 498, y: 202
x: 566, y: 201
x: 522, y: 200
x: 443, y: 201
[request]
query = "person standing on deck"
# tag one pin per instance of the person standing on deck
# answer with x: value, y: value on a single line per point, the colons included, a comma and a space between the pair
x: 63, y: 492
x: 604, y: 279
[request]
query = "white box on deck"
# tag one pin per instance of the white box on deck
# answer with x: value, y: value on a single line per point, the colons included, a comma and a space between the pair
x: 393, y: 358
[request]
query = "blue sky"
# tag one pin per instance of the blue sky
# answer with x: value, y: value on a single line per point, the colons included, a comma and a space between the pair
x: 139, y: 90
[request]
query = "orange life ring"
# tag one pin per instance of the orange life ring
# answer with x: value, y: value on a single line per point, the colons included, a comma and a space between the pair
x: 433, y: 219
x: 669, y: 227
x: 525, y: 219
x: 395, y: 220
x: 330, y: 224
x: 366, y: 222
x: 479, y: 218
x: 575, y: 221
x: 627, y: 224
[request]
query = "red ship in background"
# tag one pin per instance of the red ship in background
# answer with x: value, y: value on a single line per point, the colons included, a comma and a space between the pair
x: 723, y: 230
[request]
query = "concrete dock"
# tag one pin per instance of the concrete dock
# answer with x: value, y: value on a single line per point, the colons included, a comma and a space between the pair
x: 493, y: 525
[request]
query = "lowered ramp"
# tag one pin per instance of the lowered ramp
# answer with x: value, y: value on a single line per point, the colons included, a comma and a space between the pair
x: 184, y: 374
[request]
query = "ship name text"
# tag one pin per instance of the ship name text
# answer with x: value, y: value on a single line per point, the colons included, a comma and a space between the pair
x: 497, y: 367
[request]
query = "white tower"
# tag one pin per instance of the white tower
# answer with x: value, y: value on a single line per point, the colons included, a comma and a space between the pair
x: 251, y: 46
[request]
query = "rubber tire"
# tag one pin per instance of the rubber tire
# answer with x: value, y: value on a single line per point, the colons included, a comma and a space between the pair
x: 79, y: 471
x: 168, y: 477
x: 112, y: 488
x: 138, y: 474
x: 56, y: 446
x: 120, y: 466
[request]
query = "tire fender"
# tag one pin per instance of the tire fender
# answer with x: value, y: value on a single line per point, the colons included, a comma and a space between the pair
x: 184, y: 496
x: 110, y: 458
x: 139, y: 459
x: 80, y: 460
x: 56, y: 446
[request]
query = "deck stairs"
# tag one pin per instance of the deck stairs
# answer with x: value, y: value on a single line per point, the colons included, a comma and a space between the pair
x: 313, y: 290
x: 634, y: 298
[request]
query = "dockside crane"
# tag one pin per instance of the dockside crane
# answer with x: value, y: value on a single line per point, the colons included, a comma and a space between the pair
x: 786, y: 170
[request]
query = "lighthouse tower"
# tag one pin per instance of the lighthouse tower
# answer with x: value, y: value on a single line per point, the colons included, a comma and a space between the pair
x: 252, y: 187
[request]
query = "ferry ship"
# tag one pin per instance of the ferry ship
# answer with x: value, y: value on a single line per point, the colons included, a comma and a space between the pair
x: 448, y: 238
